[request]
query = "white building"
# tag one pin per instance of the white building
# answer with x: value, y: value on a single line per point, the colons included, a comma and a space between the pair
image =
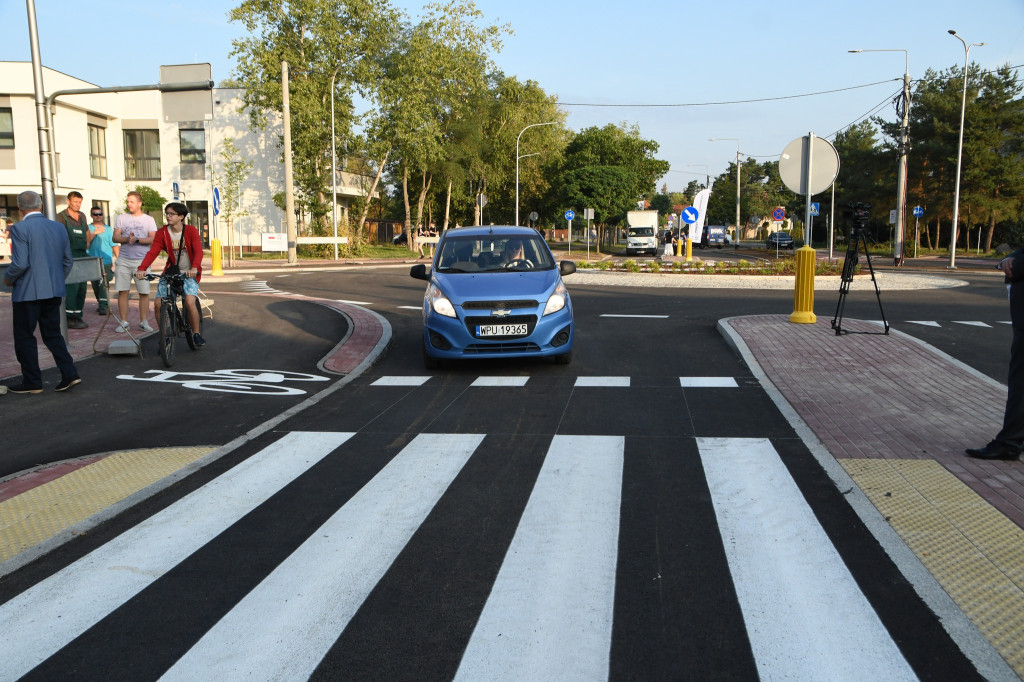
x: 108, y: 143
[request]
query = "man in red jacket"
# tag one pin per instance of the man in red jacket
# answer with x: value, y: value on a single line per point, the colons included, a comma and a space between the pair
x: 184, y: 251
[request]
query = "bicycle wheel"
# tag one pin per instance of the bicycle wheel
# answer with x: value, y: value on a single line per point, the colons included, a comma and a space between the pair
x: 167, y: 333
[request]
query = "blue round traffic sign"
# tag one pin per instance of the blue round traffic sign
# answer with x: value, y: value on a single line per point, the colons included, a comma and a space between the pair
x: 570, y: 214
x: 690, y: 215
x: 918, y: 211
x: 779, y: 214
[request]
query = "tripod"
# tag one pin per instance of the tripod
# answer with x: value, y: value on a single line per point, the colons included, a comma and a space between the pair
x: 857, y: 240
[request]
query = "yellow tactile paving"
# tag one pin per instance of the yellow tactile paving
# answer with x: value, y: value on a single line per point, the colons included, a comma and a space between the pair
x: 971, y: 548
x: 38, y: 514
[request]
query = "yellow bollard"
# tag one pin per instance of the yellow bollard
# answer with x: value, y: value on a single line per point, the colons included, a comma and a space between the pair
x: 689, y: 250
x: 215, y: 254
x: 803, y: 292
x: 679, y: 247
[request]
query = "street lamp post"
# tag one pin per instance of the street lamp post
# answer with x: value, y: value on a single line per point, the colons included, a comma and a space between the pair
x: 289, y: 187
x: 735, y: 139
x: 959, y: 148
x: 532, y: 125
x: 901, y: 182
x: 334, y: 171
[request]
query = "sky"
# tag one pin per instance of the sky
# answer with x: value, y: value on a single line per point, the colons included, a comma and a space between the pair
x: 611, y: 62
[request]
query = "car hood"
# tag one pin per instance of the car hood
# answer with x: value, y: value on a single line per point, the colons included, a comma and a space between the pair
x: 459, y: 287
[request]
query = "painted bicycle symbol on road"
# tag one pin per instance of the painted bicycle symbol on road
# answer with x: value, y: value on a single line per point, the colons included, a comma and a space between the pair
x: 247, y: 381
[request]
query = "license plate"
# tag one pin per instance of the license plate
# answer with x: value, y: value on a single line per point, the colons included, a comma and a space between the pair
x: 500, y: 330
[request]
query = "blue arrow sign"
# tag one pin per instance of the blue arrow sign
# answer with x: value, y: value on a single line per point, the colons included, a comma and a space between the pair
x: 918, y: 211
x: 690, y: 215
x: 570, y: 214
x: 216, y: 201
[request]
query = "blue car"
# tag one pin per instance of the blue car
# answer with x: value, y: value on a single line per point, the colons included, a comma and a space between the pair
x: 495, y: 292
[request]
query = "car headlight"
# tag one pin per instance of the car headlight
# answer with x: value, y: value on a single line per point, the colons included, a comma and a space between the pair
x: 556, y: 301
x: 439, y: 302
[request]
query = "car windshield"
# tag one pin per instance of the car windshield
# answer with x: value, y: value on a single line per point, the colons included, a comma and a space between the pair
x: 641, y: 232
x: 494, y: 254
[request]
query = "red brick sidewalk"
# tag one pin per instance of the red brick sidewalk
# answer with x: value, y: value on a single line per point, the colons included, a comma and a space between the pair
x: 887, y: 397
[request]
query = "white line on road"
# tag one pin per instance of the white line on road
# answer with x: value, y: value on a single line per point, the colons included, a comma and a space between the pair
x: 401, y: 381
x: 46, y: 617
x: 602, y: 382
x: 806, y: 617
x: 283, y: 628
x: 707, y: 382
x: 500, y: 381
x: 972, y: 323
x: 549, y: 614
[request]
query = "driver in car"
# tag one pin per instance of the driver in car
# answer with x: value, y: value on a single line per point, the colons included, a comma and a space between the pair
x: 513, y: 252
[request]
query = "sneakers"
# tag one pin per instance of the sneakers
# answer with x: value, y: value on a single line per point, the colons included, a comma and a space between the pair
x: 144, y: 326
x: 198, y: 340
x: 77, y: 323
x: 65, y: 384
x: 23, y: 388
x: 122, y: 326
x: 103, y: 311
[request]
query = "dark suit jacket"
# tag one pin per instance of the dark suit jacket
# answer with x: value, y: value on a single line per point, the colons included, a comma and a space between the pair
x: 40, y: 258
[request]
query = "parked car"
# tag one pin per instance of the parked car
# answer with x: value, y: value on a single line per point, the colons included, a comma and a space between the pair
x: 779, y: 240
x: 495, y: 292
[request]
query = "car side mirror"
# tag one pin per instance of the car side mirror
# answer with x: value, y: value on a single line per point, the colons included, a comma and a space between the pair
x: 567, y: 267
x: 419, y: 271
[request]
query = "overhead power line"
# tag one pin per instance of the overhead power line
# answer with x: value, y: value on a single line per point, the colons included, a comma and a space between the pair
x: 726, y: 102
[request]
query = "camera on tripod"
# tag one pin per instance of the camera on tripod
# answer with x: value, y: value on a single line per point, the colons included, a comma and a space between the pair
x: 859, y: 214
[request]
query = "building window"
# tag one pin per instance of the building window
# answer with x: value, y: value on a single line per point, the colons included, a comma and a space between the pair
x: 6, y: 128
x: 142, y: 155
x: 193, y: 154
x: 97, y: 152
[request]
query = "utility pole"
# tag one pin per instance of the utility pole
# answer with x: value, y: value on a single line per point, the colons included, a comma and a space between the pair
x: 289, y: 187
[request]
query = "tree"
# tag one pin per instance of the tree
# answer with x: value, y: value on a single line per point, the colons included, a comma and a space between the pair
x: 236, y: 170
x: 433, y: 77
x: 320, y: 39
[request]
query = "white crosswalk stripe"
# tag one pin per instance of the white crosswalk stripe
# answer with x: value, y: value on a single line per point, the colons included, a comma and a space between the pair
x: 44, y: 618
x: 550, y: 611
x: 806, y: 617
x: 282, y: 629
x: 549, y: 615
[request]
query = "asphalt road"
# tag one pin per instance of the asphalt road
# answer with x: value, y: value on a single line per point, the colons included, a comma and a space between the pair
x: 414, y: 506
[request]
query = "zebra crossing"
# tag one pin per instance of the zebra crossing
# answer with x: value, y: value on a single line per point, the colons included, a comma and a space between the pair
x: 550, y: 611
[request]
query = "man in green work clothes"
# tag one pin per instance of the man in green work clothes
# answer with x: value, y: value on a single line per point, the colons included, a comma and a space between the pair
x: 74, y: 221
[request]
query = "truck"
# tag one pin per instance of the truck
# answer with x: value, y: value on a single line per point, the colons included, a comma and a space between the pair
x: 641, y: 232
x: 714, y: 235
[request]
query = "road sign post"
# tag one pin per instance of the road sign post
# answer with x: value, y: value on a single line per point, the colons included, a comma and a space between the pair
x: 569, y: 215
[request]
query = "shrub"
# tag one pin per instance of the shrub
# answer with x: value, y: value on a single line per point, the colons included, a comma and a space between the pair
x: 655, y: 266
x: 604, y: 265
x: 631, y: 265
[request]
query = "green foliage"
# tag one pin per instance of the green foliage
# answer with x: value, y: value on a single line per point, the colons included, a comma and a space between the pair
x: 631, y: 265
x: 655, y: 266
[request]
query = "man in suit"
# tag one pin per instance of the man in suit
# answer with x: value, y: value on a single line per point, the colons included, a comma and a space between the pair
x: 1008, y: 442
x: 40, y: 262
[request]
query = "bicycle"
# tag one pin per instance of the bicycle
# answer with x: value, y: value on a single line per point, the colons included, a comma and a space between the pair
x: 173, y: 320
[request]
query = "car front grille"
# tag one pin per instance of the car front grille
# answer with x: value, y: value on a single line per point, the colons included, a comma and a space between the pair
x: 507, y: 347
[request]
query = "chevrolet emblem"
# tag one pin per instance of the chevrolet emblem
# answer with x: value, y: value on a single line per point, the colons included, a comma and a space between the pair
x: 501, y: 313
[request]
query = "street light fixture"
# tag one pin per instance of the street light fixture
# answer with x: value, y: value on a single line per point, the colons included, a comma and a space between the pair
x: 901, y: 182
x: 532, y: 125
x: 735, y: 139
x: 959, y: 148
